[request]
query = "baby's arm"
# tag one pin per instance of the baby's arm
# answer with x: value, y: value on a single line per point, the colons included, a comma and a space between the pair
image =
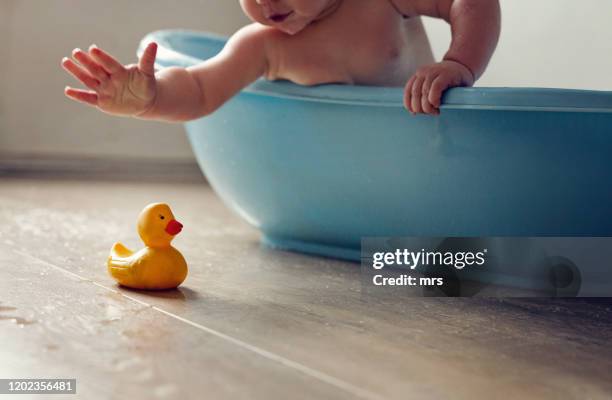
x: 475, y: 26
x: 173, y: 94
x: 185, y: 94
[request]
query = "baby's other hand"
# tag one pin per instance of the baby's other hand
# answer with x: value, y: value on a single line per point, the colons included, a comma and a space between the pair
x: 115, y: 89
x: 423, y: 93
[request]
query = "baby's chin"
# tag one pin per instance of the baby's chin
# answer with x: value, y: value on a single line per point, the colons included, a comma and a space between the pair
x: 292, y: 27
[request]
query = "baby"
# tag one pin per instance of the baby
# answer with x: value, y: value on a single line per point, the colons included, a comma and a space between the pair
x: 309, y: 42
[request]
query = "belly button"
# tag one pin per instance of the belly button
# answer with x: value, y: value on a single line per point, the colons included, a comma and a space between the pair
x: 394, y: 53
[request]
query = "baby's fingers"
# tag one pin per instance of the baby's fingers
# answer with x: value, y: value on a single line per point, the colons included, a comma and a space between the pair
x: 90, y: 65
x: 408, y: 94
x: 417, y: 89
x: 79, y: 73
x: 439, y: 85
x: 427, y: 106
x: 107, y: 61
x: 82, y: 96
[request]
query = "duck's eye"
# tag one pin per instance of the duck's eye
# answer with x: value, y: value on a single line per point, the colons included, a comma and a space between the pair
x: 161, y: 217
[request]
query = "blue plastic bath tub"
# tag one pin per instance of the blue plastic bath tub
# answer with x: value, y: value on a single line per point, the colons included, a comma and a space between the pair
x: 318, y: 168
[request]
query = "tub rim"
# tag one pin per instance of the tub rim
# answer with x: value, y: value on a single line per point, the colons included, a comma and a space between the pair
x: 473, y: 98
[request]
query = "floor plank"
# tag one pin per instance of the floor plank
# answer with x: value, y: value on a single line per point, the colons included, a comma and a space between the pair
x: 303, y: 310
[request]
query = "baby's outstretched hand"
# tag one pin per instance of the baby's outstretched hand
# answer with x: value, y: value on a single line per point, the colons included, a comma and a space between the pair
x: 115, y: 89
x: 423, y: 93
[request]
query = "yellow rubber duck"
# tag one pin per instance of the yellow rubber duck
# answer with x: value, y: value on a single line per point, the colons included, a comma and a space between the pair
x: 158, y: 265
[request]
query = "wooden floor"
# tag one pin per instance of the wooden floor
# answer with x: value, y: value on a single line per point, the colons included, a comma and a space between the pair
x: 250, y: 322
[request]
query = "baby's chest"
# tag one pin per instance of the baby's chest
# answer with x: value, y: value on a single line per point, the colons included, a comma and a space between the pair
x: 387, y: 51
x: 365, y: 51
x: 375, y: 56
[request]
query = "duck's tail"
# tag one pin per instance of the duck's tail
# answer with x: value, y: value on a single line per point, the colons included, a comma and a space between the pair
x: 118, y: 263
x: 120, y: 251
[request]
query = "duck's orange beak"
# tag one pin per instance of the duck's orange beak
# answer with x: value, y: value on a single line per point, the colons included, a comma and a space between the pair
x: 174, y: 227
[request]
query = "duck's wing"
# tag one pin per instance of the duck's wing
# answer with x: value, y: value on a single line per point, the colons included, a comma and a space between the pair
x: 118, y: 272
